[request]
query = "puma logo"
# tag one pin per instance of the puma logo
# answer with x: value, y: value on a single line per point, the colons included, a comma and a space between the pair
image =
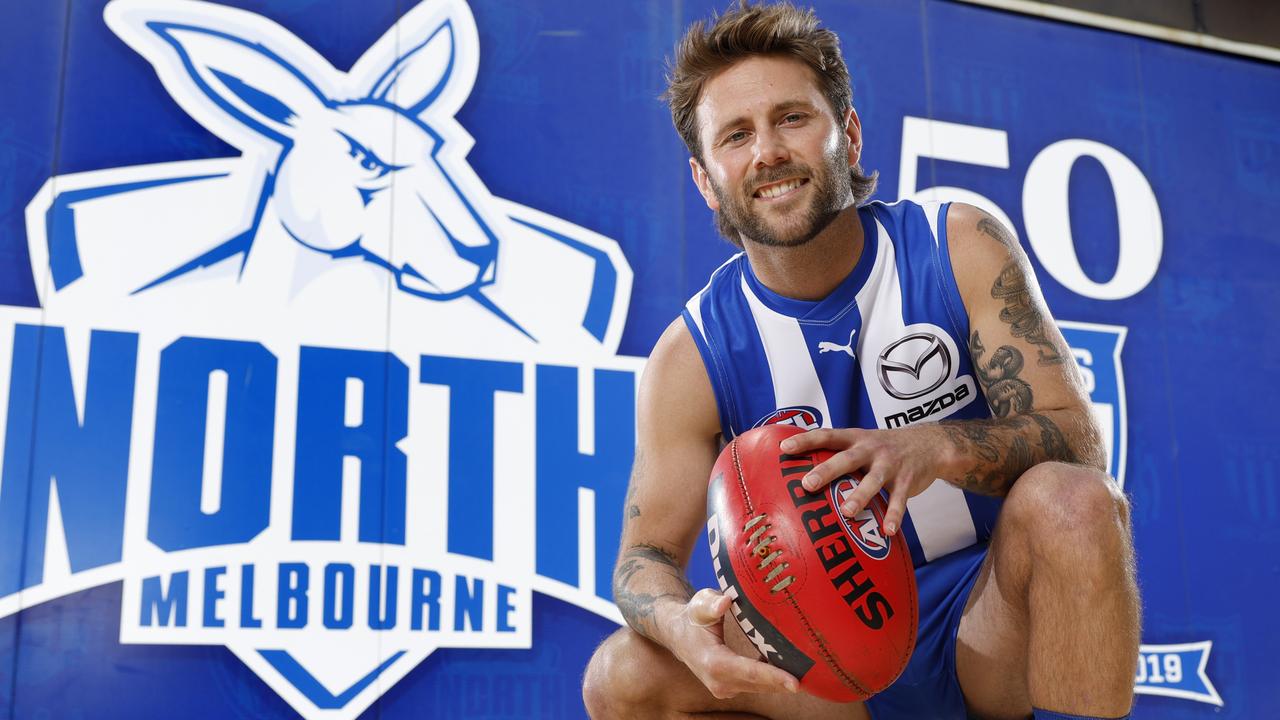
x: 826, y: 347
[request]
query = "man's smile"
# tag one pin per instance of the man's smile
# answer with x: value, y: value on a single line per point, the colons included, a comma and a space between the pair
x: 779, y: 189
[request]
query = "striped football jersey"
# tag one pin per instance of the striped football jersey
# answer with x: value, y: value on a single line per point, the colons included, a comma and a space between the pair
x: 887, y: 348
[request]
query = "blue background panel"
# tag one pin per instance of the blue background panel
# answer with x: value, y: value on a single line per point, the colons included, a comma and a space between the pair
x: 565, y: 117
x: 34, y: 50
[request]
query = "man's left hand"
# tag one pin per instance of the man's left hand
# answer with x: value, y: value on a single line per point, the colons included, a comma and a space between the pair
x: 903, y: 462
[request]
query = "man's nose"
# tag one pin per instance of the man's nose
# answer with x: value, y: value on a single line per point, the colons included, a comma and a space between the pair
x: 770, y: 149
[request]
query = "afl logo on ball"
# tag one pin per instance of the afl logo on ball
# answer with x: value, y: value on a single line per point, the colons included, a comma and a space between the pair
x: 915, y: 365
x: 864, y: 527
x: 802, y: 416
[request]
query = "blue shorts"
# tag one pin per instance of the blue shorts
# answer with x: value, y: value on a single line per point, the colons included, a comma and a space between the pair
x: 928, y: 689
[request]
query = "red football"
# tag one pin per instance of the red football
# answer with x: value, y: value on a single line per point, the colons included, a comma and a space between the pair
x: 829, y: 599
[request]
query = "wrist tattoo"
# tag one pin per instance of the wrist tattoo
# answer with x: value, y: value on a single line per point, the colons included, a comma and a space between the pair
x: 638, y: 604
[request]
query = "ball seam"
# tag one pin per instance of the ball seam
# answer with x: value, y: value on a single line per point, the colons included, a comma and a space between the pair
x: 742, y: 483
x: 905, y: 555
x: 826, y: 653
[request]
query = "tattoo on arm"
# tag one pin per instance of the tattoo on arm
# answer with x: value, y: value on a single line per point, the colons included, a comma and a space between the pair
x: 996, y: 231
x: 633, y: 508
x: 1006, y: 392
x: 1052, y: 441
x: 637, y: 591
x: 1024, y: 318
x: 1003, y: 447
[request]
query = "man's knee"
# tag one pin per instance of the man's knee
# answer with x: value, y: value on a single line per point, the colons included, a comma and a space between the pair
x: 621, y: 676
x: 1059, y: 493
x: 1063, y: 504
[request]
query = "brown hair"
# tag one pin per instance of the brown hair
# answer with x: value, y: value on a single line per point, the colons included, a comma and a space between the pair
x: 758, y: 29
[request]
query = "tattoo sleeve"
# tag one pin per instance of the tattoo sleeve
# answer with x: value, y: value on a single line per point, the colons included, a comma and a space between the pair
x: 996, y: 451
x: 646, y: 574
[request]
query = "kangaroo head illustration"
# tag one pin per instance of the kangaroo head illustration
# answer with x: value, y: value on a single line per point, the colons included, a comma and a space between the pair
x: 366, y: 164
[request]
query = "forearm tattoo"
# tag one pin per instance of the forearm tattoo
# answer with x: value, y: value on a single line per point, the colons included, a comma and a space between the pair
x: 1025, y: 319
x: 637, y: 587
x: 1004, y: 448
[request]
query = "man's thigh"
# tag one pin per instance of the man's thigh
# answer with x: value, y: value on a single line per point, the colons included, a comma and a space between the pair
x: 643, y: 673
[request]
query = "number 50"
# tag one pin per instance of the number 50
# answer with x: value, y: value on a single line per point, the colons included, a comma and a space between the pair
x: 1044, y: 199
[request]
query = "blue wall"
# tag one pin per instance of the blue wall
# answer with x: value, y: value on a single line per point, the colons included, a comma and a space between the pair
x: 565, y: 120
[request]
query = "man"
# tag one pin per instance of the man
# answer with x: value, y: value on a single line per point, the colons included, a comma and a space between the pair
x: 855, y: 316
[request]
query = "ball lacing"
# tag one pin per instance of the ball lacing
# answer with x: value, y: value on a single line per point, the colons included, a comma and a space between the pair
x: 761, y: 543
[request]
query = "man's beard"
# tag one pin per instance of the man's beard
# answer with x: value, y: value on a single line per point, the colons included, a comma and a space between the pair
x: 831, y: 191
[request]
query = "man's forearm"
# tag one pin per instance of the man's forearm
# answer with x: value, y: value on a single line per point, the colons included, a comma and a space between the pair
x: 990, y: 454
x: 648, y: 581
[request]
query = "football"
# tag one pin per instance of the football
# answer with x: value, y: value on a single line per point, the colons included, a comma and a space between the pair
x: 829, y: 599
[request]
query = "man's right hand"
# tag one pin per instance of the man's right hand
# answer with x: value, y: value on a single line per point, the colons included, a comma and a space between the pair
x: 697, y: 639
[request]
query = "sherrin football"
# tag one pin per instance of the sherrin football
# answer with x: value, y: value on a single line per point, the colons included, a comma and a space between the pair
x: 829, y: 599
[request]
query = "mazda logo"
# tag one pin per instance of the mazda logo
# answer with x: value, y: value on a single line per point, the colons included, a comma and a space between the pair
x: 913, y: 366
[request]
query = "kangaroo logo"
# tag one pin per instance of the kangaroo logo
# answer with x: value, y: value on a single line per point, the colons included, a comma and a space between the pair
x: 345, y: 287
x: 847, y: 348
x: 350, y: 182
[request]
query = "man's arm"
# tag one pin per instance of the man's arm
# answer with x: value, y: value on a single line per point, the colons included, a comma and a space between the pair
x: 1039, y: 407
x: 676, y: 445
x: 650, y: 576
x: 1040, y: 411
x: 677, y: 429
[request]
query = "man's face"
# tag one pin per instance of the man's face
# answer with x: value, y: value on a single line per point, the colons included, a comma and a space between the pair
x: 775, y: 160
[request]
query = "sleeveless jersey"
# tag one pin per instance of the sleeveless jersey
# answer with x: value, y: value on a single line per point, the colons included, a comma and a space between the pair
x: 888, y: 348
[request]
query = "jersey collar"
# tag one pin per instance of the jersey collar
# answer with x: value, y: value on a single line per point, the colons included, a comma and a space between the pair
x: 840, y: 299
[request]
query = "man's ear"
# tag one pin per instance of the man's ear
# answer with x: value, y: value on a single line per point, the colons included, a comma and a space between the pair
x: 703, y: 181
x: 853, y: 131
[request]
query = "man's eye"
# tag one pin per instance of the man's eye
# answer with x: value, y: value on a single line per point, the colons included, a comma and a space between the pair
x: 793, y: 117
x: 737, y: 137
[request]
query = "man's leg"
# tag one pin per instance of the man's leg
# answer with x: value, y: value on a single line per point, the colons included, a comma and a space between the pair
x: 631, y: 677
x: 1054, y: 618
